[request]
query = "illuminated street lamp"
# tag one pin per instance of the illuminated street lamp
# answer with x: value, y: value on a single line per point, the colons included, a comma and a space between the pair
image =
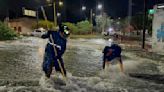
x: 93, y: 14
x: 83, y: 8
x: 60, y: 3
x: 58, y: 14
x: 99, y: 6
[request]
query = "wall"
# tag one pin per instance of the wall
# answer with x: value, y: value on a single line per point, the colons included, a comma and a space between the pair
x: 22, y: 25
x: 158, y: 31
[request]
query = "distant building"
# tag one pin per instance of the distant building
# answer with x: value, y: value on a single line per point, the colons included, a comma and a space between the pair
x: 22, y: 25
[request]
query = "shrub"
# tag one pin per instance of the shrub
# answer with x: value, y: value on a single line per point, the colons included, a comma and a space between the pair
x: 6, y: 33
x: 83, y: 27
x: 44, y: 24
x: 72, y: 27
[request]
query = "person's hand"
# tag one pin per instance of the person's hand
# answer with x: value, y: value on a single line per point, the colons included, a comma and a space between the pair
x: 59, y: 47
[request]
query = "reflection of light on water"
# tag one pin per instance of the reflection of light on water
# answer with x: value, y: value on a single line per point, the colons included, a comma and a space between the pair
x: 97, y: 41
x: 110, y: 79
x: 82, y: 84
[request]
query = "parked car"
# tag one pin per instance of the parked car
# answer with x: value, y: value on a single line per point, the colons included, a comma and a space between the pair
x: 38, y: 32
x: 109, y: 32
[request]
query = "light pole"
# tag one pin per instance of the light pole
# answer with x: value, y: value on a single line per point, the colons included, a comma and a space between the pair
x: 54, y: 8
x: 37, y: 18
x: 91, y: 13
x: 129, y: 12
x: 91, y: 16
x: 144, y: 24
x: 55, y: 18
x: 37, y: 12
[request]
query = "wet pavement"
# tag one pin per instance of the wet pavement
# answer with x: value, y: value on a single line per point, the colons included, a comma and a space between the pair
x: 20, y: 69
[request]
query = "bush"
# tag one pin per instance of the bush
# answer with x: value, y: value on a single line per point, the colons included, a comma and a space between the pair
x: 83, y: 27
x: 44, y: 24
x: 6, y: 33
x: 72, y: 27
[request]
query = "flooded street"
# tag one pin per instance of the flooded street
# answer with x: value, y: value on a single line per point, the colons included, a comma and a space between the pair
x: 20, y: 69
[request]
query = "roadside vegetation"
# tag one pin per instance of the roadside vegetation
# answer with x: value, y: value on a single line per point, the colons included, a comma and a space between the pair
x: 6, y: 33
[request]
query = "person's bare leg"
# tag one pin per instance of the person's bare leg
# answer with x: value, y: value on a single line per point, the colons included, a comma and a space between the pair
x: 108, y: 64
x: 121, y: 64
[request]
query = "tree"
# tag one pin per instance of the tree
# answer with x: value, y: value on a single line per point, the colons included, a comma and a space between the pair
x: 103, y: 22
x: 84, y: 27
x: 137, y: 22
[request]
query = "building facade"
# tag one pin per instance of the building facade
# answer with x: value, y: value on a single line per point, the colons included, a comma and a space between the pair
x: 22, y: 25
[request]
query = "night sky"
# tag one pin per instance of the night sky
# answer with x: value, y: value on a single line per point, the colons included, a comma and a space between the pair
x: 71, y: 9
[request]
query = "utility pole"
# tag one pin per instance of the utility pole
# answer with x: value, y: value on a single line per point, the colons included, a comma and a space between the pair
x: 130, y: 12
x: 55, y: 18
x: 91, y: 16
x: 144, y: 24
x: 91, y: 19
x: 44, y: 15
x: 37, y: 17
x: 129, y: 16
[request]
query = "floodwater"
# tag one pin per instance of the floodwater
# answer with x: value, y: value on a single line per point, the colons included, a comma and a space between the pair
x: 20, y: 69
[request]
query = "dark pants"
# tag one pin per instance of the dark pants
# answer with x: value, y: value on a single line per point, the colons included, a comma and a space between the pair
x: 50, y: 62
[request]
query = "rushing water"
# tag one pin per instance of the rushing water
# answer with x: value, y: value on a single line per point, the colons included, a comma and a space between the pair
x: 20, y: 69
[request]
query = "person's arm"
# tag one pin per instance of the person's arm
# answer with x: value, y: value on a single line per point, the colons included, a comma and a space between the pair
x: 62, y: 50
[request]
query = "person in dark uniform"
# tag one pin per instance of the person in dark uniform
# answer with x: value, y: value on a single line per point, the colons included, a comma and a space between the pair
x: 112, y: 51
x: 55, y: 49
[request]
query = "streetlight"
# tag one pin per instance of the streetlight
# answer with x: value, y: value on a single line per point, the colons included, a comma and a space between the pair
x: 93, y: 14
x: 58, y: 14
x: 83, y: 8
x: 60, y: 3
x: 144, y: 24
x: 99, y: 6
